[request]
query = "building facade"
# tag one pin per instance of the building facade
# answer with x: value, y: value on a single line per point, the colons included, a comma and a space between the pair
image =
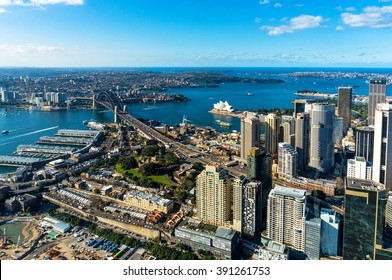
x: 313, y: 238
x: 272, y: 124
x: 213, y: 196
x: 344, y: 106
x: 247, y: 207
x: 329, y: 232
x: 260, y: 169
x: 321, y: 143
x: 377, y: 94
x: 382, y: 157
x: 364, y: 141
x: 359, y: 168
x: 148, y: 202
x: 250, y: 133
x: 286, y: 216
x: 302, y: 140
x: 287, y: 161
x: 363, y: 229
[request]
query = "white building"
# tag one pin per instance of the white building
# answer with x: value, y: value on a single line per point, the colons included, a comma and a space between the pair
x: 286, y: 216
x: 359, y: 168
x: 287, y: 161
x: 382, y: 156
x: 223, y: 106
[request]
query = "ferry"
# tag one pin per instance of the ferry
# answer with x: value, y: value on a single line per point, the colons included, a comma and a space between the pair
x: 5, y: 132
x: 223, y: 123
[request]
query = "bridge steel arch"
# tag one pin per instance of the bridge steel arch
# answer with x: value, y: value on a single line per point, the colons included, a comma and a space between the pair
x: 109, y: 100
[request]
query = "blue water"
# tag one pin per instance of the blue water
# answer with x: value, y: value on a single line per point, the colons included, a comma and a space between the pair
x: 26, y: 127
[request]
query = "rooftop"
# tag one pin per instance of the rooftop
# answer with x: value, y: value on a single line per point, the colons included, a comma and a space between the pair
x: 225, y: 233
x: 295, y: 193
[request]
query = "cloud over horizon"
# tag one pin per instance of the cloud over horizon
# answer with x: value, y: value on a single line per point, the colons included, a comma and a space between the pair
x: 296, y: 23
x: 372, y: 16
x: 40, y: 2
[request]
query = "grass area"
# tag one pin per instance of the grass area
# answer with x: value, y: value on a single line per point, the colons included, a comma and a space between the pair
x: 160, y: 179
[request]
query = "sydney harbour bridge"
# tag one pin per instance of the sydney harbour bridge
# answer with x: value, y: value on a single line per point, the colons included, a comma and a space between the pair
x: 111, y: 102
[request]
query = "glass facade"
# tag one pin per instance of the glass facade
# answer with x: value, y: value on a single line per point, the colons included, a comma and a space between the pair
x: 363, y: 222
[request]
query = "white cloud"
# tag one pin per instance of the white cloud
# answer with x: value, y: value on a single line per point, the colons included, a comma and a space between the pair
x: 372, y: 16
x: 384, y: 1
x: 2, y: 10
x: 40, y: 2
x: 28, y: 48
x: 339, y: 28
x: 264, y: 2
x: 297, y: 23
x: 350, y: 9
x: 278, y: 5
x: 258, y: 20
x: 299, y: 5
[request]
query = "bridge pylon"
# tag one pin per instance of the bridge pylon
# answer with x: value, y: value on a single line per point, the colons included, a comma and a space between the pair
x: 94, y: 106
x: 115, y: 113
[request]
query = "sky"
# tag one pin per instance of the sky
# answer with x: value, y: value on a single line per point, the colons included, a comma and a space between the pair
x: 200, y: 33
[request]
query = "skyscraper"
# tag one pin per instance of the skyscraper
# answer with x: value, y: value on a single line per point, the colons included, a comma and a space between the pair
x: 364, y: 219
x: 321, y: 143
x: 213, y: 196
x: 250, y: 133
x: 377, y: 94
x: 272, y: 124
x: 302, y: 140
x: 260, y: 169
x: 382, y: 157
x: 364, y: 141
x: 247, y: 206
x: 287, y: 161
x: 329, y: 232
x: 313, y: 238
x: 344, y: 106
x: 286, y: 216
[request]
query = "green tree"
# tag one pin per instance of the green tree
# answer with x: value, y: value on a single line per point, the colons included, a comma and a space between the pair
x: 127, y: 162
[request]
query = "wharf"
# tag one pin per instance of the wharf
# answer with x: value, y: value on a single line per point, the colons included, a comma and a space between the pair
x: 235, y: 114
x: 68, y: 141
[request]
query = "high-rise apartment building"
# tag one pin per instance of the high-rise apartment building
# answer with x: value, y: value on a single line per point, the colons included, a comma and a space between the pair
x: 321, y: 143
x: 247, y: 207
x: 359, y: 168
x: 382, y: 157
x: 344, y: 106
x: 213, y: 196
x: 250, y: 133
x: 260, y: 169
x: 302, y: 140
x: 286, y: 216
x: 364, y: 141
x: 272, y: 125
x: 363, y: 229
x: 377, y: 94
x: 287, y: 161
x: 288, y: 127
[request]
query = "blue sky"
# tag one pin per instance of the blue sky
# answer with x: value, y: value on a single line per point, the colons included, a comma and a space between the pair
x: 142, y: 33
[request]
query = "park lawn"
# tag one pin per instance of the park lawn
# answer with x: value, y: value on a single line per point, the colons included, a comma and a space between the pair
x: 160, y: 179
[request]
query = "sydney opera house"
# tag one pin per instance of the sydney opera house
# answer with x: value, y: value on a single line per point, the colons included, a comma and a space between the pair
x: 223, y: 106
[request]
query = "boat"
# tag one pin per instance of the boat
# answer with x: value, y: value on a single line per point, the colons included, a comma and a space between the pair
x: 5, y: 132
x: 225, y: 124
x: 250, y: 94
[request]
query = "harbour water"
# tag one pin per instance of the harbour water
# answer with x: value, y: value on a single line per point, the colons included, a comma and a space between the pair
x: 26, y: 127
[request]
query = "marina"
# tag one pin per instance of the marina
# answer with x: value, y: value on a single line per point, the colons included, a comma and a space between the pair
x: 47, y: 148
